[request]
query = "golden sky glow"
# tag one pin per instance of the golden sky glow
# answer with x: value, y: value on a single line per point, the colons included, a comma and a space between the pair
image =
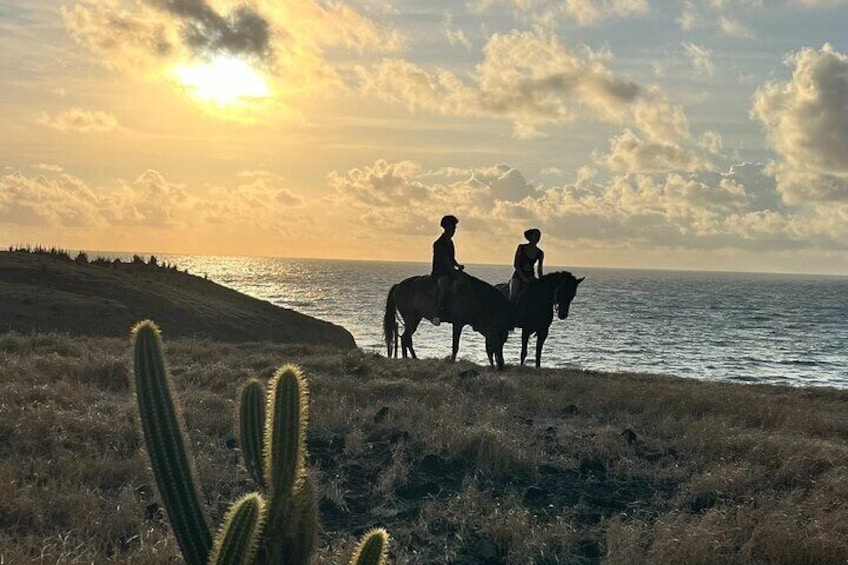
x: 223, y: 81
x: 633, y: 133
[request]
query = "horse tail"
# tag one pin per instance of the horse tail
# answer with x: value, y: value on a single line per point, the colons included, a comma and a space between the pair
x: 390, y: 324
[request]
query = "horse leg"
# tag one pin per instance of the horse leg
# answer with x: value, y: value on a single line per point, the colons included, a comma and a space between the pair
x: 541, y: 336
x: 525, y: 338
x: 457, y: 332
x: 490, y: 352
x: 409, y: 327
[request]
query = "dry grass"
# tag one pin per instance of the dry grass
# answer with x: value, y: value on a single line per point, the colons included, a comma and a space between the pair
x: 460, y: 464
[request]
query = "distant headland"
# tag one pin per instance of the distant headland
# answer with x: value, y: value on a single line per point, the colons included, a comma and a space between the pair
x: 47, y: 290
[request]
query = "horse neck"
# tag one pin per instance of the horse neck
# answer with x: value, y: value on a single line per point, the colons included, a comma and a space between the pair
x: 545, y: 288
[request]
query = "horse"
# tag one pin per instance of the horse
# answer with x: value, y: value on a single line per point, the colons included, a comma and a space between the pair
x: 472, y: 302
x: 534, y: 309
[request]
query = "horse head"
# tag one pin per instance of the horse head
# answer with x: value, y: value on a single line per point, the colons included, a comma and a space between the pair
x: 566, y: 289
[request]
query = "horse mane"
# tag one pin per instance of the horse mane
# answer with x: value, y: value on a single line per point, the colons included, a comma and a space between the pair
x: 558, y: 274
x: 484, y: 289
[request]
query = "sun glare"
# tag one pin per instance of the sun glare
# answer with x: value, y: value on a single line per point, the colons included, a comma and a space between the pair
x: 224, y: 81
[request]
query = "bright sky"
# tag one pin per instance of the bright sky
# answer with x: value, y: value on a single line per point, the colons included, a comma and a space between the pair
x: 704, y: 134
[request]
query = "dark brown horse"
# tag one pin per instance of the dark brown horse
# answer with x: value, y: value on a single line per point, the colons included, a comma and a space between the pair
x: 472, y: 302
x: 534, y: 309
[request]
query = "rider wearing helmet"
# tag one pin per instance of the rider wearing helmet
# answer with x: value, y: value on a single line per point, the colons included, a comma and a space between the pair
x: 445, y: 267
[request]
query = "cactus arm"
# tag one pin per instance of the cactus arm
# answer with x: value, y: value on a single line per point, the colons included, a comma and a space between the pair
x: 238, y: 539
x: 373, y: 549
x: 163, y: 436
x: 285, y: 432
x: 251, y: 428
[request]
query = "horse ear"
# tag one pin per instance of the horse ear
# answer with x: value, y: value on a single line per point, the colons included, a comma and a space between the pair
x: 581, y: 279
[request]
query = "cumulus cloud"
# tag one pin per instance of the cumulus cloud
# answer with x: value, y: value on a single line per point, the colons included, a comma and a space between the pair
x: 57, y: 199
x: 630, y: 154
x: 532, y: 80
x: 806, y: 123
x: 79, y: 120
x: 704, y: 210
x: 701, y: 58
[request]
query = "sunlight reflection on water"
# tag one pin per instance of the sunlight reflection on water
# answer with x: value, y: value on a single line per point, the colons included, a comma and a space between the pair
x: 742, y: 327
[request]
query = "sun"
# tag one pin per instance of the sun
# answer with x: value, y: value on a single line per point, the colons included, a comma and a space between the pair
x: 223, y: 81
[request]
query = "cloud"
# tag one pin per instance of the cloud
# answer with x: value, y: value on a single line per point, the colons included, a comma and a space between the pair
x: 701, y: 58
x: 242, y: 31
x: 286, y: 42
x: 582, y: 12
x: 588, y: 12
x: 630, y: 154
x: 806, y: 123
x: 534, y: 81
x: 705, y: 210
x: 455, y: 36
x: 57, y: 199
x: 79, y: 120
x: 717, y: 13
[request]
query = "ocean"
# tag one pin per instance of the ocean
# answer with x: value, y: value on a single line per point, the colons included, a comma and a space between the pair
x: 744, y: 327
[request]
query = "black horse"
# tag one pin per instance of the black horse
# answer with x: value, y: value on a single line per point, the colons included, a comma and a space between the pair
x: 471, y: 302
x: 534, y: 308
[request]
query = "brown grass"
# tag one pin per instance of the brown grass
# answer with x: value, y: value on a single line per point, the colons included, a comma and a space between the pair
x: 462, y: 465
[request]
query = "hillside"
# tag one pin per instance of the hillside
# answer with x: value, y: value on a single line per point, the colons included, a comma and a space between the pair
x: 461, y: 464
x: 42, y: 292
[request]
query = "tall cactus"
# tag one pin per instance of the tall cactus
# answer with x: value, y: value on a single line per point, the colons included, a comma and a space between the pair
x: 163, y: 437
x: 279, y: 528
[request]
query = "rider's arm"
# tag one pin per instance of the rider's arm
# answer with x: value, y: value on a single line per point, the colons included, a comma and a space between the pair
x: 541, y: 260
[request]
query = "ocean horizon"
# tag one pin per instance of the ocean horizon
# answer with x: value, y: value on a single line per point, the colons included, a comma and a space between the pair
x: 776, y: 328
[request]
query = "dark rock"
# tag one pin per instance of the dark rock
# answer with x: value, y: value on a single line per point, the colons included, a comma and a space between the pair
x: 629, y: 436
x: 534, y: 495
x: 381, y: 414
x: 570, y: 410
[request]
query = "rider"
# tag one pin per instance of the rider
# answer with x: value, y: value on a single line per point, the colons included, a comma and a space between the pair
x: 526, y: 255
x: 445, y: 267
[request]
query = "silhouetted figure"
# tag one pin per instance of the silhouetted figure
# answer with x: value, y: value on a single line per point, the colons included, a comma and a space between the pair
x: 445, y: 266
x: 526, y: 256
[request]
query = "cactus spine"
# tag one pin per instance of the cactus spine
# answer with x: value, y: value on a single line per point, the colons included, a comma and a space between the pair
x: 163, y: 436
x: 251, y: 429
x: 373, y: 549
x: 238, y: 539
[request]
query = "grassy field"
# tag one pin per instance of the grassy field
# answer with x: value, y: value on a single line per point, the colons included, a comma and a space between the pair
x: 462, y: 465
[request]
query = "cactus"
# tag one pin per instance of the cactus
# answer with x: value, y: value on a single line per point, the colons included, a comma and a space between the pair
x: 279, y: 531
x: 373, y: 549
x: 251, y: 429
x: 238, y: 539
x: 163, y: 436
